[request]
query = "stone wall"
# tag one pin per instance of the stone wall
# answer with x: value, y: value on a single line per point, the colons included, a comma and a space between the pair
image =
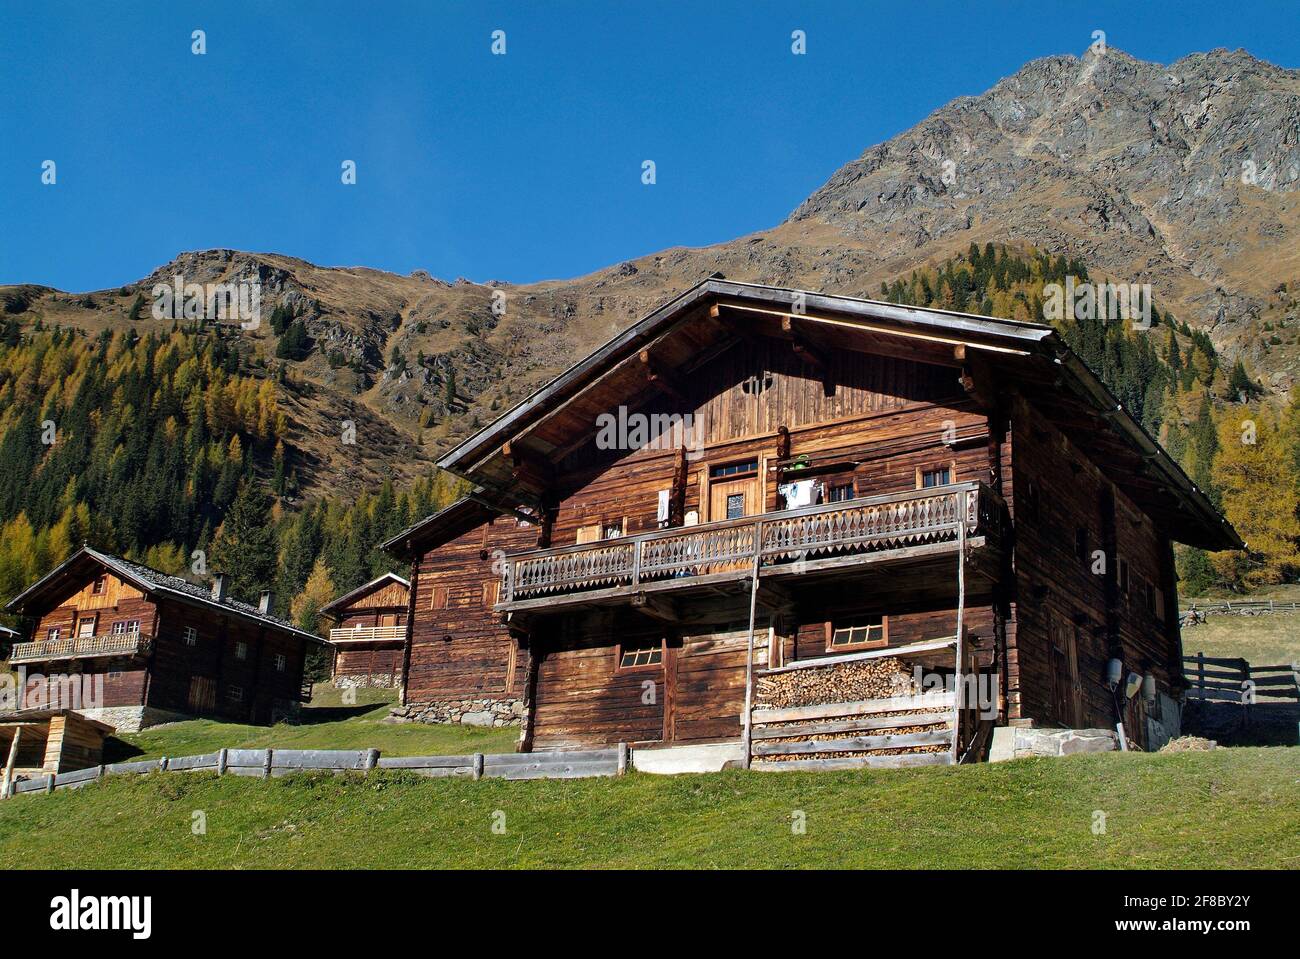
x: 366, y: 680
x: 470, y: 712
x: 132, y: 719
x: 1020, y: 742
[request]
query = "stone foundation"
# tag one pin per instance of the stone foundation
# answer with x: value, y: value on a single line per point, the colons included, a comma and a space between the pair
x: 132, y: 719
x: 1018, y: 742
x: 469, y: 712
x: 366, y: 681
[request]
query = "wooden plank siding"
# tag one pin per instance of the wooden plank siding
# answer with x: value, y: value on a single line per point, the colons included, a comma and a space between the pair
x: 459, y: 648
x: 1063, y: 609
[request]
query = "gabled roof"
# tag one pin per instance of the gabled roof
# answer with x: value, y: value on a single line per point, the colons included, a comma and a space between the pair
x: 152, y: 582
x: 436, y: 529
x: 363, y: 590
x: 690, y: 330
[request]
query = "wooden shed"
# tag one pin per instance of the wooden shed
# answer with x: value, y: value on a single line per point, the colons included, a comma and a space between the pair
x: 36, y: 742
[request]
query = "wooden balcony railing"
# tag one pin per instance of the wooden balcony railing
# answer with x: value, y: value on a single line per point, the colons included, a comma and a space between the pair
x: 367, y: 634
x: 852, y: 527
x: 83, y: 647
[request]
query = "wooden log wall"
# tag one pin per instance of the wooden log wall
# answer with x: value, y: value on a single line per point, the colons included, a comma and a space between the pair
x: 459, y: 647
x: 1070, y: 620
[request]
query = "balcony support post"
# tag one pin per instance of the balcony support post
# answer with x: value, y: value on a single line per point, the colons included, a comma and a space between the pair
x: 959, y: 695
x: 749, y: 653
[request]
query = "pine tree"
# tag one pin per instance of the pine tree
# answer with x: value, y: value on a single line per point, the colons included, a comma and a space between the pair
x: 244, y: 548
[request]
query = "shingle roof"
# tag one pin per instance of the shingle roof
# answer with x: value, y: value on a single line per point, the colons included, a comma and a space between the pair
x: 153, y: 580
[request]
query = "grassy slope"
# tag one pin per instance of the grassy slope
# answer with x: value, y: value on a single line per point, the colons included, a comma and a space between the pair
x: 1218, y: 809
x: 326, y: 724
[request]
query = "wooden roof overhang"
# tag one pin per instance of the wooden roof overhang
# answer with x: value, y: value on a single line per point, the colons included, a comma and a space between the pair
x: 513, y: 459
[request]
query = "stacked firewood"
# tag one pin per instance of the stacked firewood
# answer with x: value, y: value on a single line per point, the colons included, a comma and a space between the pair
x: 837, y: 683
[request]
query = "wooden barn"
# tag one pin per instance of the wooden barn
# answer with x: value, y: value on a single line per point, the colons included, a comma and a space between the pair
x: 141, y: 647
x: 801, y: 528
x: 369, y: 632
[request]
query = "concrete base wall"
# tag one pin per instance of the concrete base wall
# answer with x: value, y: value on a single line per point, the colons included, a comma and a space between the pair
x: 704, y: 758
x: 468, y: 712
x: 1016, y: 742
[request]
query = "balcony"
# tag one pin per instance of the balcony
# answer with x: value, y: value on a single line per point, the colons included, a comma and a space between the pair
x: 82, y: 647
x: 812, y: 540
x: 368, y: 634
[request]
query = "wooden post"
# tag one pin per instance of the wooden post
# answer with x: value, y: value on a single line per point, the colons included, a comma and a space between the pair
x: 372, y: 759
x: 6, y: 788
x: 1200, y: 673
x: 961, y: 622
x: 622, y: 759
x: 162, y: 764
x: 749, y: 655
x: 1245, y: 689
x: 478, y: 766
x: 221, y: 762
x: 266, y: 765
x: 49, y: 783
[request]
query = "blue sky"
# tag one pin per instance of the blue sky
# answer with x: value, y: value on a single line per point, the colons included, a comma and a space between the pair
x: 518, y: 167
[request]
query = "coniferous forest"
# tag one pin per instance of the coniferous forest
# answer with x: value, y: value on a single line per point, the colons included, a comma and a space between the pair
x: 171, y: 449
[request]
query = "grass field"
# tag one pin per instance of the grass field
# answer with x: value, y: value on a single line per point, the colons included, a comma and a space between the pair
x: 1265, y: 640
x: 326, y: 724
x: 1226, y: 808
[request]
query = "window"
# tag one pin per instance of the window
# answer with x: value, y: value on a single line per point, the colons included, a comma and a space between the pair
x: 735, y: 505
x: 114, y: 673
x: 86, y: 626
x: 53, y: 633
x: 439, y: 598
x: 241, y: 650
x: 191, y: 636
x: 651, y: 654
x: 857, y: 631
x: 613, y: 530
x: 936, y: 477
x: 100, y: 583
x: 124, y: 626
x: 235, y: 694
x: 840, y: 492
x: 1081, y: 550
x: 280, y: 662
x: 491, y: 593
x: 733, y: 469
x: 1150, y: 597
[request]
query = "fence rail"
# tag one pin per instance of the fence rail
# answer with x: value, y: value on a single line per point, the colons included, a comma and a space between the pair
x: 1197, y: 612
x: 1222, y: 680
x: 266, y: 763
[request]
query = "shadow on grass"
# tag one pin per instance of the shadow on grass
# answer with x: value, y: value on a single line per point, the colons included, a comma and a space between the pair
x: 334, y: 714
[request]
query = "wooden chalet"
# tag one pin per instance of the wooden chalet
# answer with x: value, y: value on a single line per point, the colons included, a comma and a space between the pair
x: 154, y: 648
x: 369, y: 632
x: 847, y: 512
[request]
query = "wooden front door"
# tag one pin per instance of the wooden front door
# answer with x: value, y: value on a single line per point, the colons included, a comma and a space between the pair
x: 203, y: 695
x: 732, y: 499
x: 1067, y: 692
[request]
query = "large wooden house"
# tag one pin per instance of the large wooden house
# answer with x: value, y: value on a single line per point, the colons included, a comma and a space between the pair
x: 142, y: 647
x: 796, y: 525
x: 369, y: 632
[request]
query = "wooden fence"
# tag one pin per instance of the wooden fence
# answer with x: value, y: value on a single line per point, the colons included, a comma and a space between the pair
x: 265, y: 763
x: 1196, y: 612
x: 1220, y: 680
